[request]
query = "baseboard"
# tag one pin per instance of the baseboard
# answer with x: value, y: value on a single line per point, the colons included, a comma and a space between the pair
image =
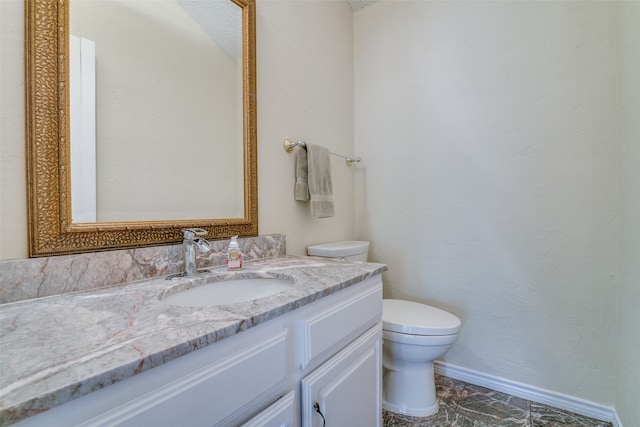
x: 524, y: 391
x: 616, y: 421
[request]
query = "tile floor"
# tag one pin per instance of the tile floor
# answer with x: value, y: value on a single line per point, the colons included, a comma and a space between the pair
x: 466, y: 405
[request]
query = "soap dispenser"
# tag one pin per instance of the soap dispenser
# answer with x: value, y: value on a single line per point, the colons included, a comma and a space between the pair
x: 234, y: 257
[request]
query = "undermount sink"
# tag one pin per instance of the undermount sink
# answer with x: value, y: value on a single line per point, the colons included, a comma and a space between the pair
x: 227, y: 291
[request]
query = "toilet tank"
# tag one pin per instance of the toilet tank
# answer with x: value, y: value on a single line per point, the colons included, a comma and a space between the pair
x: 345, y: 250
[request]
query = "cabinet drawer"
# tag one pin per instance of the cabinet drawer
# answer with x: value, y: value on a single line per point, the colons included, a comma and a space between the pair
x: 281, y: 413
x: 209, y: 395
x: 332, y: 328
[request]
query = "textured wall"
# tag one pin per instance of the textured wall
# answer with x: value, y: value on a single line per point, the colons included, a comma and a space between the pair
x: 13, y: 184
x: 305, y: 91
x: 491, y: 182
x: 628, y: 350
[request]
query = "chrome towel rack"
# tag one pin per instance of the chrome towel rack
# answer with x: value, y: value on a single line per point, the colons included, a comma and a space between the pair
x: 289, y: 145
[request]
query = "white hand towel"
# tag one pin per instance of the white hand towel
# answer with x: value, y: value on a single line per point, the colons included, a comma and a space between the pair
x: 301, y: 188
x: 320, y: 185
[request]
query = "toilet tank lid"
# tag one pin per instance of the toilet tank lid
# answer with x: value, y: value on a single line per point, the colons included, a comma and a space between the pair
x: 339, y: 249
x: 408, y: 317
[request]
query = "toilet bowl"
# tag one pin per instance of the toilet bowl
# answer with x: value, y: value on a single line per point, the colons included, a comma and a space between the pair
x: 414, y: 336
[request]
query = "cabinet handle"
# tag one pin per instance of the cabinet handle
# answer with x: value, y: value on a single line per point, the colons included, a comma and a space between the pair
x: 316, y: 406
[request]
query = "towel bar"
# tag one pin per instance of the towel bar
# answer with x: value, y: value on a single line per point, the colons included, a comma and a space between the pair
x: 290, y: 145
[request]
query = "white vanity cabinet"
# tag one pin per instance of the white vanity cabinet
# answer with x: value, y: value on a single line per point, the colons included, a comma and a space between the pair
x: 326, y: 352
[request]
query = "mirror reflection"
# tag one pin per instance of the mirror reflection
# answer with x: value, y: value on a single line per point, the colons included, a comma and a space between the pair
x: 156, y: 112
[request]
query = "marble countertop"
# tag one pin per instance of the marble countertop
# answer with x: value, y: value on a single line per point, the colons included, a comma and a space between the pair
x: 58, y: 348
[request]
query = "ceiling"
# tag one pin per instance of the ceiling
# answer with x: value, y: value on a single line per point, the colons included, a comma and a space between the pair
x: 359, y: 4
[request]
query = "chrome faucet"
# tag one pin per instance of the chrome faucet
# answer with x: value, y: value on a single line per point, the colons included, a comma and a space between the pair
x: 190, y: 243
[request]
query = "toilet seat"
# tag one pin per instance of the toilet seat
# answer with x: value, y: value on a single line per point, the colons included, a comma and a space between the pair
x: 408, y: 317
x: 421, y: 340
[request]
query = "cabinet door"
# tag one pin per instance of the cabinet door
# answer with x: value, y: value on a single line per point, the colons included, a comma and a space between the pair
x: 346, y: 390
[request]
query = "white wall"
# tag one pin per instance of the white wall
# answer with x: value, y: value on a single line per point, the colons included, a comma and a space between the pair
x: 305, y: 90
x: 13, y: 193
x: 491, y: 182
x: 628, y: 366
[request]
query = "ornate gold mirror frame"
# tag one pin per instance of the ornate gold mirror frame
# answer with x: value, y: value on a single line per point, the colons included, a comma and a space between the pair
x: 51, y: 230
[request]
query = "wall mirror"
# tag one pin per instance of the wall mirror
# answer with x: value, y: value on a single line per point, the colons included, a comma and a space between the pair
x: 141, y: 121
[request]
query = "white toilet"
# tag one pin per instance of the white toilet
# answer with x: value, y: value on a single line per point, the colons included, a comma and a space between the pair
x: 414, y: 336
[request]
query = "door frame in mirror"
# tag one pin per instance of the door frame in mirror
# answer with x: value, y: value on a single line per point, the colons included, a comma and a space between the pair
x: 51, y: 230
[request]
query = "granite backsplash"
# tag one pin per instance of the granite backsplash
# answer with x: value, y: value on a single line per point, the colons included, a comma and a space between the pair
x: 40, y: 277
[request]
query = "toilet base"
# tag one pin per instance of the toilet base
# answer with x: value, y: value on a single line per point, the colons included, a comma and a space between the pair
x: 410, y: 390
x: 412, y: 412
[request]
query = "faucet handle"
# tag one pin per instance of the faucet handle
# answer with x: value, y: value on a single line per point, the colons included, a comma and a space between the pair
x: 191, y: 233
